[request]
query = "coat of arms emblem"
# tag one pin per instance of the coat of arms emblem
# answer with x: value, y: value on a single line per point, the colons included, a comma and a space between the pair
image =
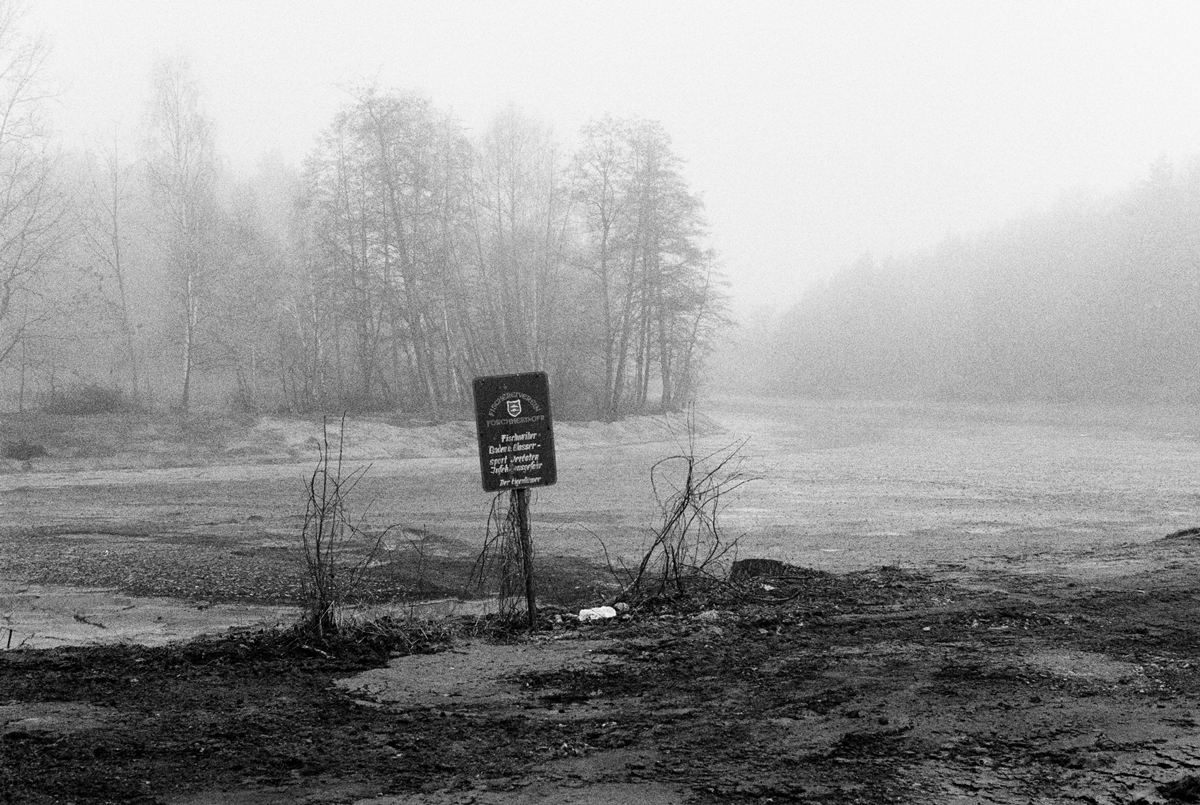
x: 514, y: 407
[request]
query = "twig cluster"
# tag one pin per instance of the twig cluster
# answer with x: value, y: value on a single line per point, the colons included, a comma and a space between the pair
x: 329, y: 534
x: 689, y: 545
x: 498, y: 565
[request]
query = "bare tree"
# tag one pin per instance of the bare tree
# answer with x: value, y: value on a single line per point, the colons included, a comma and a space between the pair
x: 521, y: 212
x: 31, y: 201
x: 382, y: 203
x: 600, y: 186
x: 425, y: 259
x: 643, y: 235
x: 182, y: 169
x: 102, y: 226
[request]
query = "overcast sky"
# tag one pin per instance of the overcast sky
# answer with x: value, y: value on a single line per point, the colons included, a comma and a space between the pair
x: 816, y: 131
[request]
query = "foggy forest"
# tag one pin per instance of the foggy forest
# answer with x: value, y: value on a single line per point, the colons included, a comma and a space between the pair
x: 1096, y: 299
x: 402, y: 259
x: 406, y: 256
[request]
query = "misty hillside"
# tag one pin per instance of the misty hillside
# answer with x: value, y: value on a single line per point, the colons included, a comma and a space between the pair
x: 1097, y: 299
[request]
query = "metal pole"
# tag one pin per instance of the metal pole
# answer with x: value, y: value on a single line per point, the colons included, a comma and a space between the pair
x: 522, y: 498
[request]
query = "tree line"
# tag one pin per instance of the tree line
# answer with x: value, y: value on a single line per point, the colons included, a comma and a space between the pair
x: 1097, y: 299
x: 404, y: 257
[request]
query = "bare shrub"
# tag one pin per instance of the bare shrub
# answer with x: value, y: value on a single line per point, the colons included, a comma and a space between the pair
x: 500, y: 565
x: 689, y: 545
x: 338, y: 545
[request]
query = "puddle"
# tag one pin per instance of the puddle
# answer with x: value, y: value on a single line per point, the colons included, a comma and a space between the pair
x: 472, y: 673
x: 39, y: 616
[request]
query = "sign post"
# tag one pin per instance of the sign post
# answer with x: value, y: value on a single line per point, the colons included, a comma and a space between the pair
x: 522, y: 506
x: 516, y: 449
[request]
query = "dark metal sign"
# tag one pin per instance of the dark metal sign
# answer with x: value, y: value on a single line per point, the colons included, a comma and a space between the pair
x: 516, y: 433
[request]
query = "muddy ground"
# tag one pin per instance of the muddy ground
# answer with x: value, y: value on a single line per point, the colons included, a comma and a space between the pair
x: 947, y: 685
x: 1060, y: 671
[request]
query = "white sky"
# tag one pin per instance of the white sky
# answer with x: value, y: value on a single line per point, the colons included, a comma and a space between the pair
x: 816, y: 131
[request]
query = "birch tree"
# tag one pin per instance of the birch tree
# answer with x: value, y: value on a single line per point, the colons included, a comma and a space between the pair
x: 182, y: 172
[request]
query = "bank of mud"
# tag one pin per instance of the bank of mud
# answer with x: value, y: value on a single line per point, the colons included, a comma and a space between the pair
x: 941, y: 685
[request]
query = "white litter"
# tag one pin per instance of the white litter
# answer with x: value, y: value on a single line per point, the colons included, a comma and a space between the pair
x: 597, y: 614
